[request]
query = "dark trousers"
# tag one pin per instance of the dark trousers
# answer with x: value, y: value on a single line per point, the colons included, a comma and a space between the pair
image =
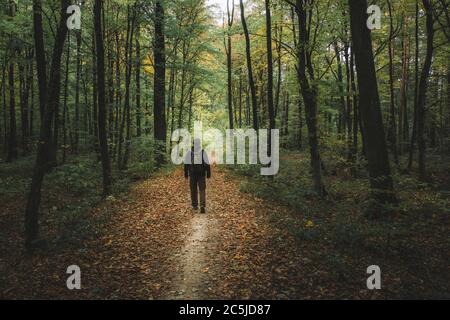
x: 198, y: 184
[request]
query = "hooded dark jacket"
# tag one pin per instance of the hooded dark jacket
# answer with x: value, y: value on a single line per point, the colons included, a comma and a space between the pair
x: 196, y: 170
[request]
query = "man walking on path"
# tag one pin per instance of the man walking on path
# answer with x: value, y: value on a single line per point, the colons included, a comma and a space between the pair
x: 197, y: 168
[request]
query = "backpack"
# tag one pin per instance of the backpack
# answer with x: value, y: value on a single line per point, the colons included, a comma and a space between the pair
x: 198, y: 169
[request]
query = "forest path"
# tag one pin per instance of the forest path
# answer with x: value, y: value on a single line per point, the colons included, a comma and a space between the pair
x: 192, y: 278
x: 148, y: 243
x: 175, y: 252
x: 197, y: 266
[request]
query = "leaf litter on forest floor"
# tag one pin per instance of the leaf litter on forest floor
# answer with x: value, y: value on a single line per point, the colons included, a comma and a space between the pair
x: 151, y: 242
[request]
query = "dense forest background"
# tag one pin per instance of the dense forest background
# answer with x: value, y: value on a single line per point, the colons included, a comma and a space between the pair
x: 364, y: 118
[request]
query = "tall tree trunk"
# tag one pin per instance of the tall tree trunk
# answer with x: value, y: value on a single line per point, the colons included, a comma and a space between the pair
x: 102, y: 134
x: 95, y: 99
x: 355, y: 109
x: 309, y: 93
x: 86, y: 114
x: 402, y: 118
x: 183, y: 85
x: 279, y: 39
x: 5, y: 110
x: 126, y: 117
x: 118, y: 101
x: 24, y: 99
x: 122, y: 115
x: 270, y: 101
x: 300, y: 124
x: 52, y: 157
x: 77, y: 94
x: 251, y: 80
x: 285, y: 124
x: 171, y: 97
x: 229, y: 84
x: 34, y: 197
x: 446, y: 117
x: 236, y: 104
x: 423, y: 85
x: 31, y: 81
x: 416, y: 89
x: 160, y: 83
x: 12, y: 145
x: 110, y: 94
x: 247, y: 107
x: 349, y: 104
x: 392, y: 121
x: 299, y: 100
x: 191, y: 104
x: 65, y: 108
x: 240, y: 98
x: 138, y: 82
x: 41, y: 62
x: 382, y: 189
x: 342, y: 121
x: 230, y: 16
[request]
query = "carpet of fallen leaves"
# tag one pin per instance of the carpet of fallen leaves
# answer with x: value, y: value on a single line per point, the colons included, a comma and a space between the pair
x: 141, y: 250
x: 128, y: 258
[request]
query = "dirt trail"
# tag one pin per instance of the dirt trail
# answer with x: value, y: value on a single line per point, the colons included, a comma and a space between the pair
x: 219, y: 246
x: 190, y: 283
x: 150, y: 244
x: 194, y: 278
